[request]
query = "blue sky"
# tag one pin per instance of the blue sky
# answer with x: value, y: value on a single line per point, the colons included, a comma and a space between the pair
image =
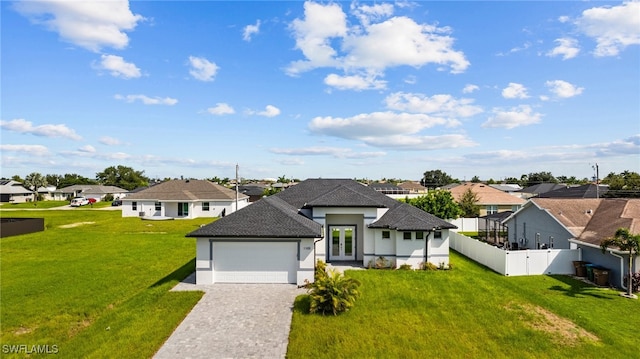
x: 320, y: 89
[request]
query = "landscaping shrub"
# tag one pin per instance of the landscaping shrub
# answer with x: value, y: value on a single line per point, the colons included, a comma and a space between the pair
x: 635, y: 281
x: 405, y: 267
x: 333, y: 293
x: 429, y: 266
x: 321, y: 270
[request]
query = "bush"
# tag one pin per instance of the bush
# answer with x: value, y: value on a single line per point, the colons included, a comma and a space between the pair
x: 321, y: 270
x: 429, y: 266
x: 108, y: 197
x: 405, y: 267
x: 333, y: 293
x: 635, y: 282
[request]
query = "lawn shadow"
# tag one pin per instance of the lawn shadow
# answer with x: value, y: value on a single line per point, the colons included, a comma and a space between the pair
x: 577, y: 288
x: 177, y: 275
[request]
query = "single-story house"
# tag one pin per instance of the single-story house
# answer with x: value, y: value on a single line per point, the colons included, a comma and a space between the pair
x: 537, y: 189
x: 13, y: 192
x: 570, y: 223
x: 279, y: 238
x: 582, y: 191
x: 490, y: 200
x: 98, y: 192
x: 188, y: 198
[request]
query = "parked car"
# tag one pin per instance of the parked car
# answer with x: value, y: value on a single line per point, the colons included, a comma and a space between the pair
x: 92, y: 200
x: 117, y: 202
x: 79, y: 201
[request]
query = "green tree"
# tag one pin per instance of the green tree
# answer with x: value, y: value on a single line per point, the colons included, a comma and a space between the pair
x: 436, y: 178
x: 625, y: 184
x: 627, y: 242
x: 475, y: 179
x: 123, y: 177
x: 439, y: 202
x: 33, y: 181
x: 70, y: 179
x: 333, y: 293
x: 539, y: 177
x: 468, y: 204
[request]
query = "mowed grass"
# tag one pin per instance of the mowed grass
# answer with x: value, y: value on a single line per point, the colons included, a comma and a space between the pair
x: 470, y: 312
x: 94, y: 284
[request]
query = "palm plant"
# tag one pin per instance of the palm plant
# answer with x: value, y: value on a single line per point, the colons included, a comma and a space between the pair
x: 627, y: 242
x: 33, y: 181
x: 333, y: 293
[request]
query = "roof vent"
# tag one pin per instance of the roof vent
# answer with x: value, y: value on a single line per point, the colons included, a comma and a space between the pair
x: 589, y: 211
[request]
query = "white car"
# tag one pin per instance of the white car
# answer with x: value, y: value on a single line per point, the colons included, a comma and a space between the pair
x: 79, y: 201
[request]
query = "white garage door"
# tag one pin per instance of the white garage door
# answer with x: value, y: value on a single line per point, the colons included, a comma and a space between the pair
x: 255, y: 262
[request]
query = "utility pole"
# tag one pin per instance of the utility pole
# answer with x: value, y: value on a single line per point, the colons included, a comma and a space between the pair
x: 237, y: 186
x: 595, y: 167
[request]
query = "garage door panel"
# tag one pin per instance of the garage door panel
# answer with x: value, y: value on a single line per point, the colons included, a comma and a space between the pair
x: 255, y: 262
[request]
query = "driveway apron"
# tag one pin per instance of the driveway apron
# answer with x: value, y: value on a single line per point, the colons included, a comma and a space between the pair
x: 234, y: 321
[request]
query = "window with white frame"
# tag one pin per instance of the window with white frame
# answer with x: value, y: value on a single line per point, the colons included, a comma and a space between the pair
x: 437, y: 234
x: 205, y: 206
x: 158, y: 206
x: 419, y: 235
x: 134, y: 206
x: 386, y: 235
x: 491, y: 209
x: 406, y: 236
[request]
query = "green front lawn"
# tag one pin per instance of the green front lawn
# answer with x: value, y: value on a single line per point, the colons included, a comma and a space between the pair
x: 95, y: 284
x: 470, y: 312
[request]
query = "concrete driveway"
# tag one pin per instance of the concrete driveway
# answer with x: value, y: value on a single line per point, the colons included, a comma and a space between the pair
x: 234, y: 321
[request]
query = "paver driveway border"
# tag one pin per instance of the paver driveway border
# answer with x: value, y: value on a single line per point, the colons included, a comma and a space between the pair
x: 234, y: 321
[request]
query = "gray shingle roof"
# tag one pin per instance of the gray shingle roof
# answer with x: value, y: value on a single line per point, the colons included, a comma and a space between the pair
x: 269, y: 217
x: 409, y: 218
x: 185, y: 190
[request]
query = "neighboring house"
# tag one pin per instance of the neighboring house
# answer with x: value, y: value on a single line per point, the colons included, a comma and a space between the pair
x: 510, y: 188
x: 490, y: 200
x: 569, y: 223
x: 254, y: 191
x: 13, y: 192
x: 413, y: 187
x: 388, y: 188
x: 535, y: 190
x: 187, y: 198
x: 98, y: 192
x: 279, y: 238
x: 582, y: 191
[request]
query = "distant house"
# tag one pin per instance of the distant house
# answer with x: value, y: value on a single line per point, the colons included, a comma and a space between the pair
x: 387, y: 188
x: 254, y: 191
x: 570, y: 223
x: 279, y: 238
x: 98, y: 192
x: 183, y: 199
x: 13, y: 192
x: 536, y: 190
x: 413, y: 187
x: 490, y: 200
x: 583, y: 191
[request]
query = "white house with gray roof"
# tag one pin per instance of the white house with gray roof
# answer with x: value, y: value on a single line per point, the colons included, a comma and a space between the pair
x: 279, y: 238
x: 183, y: 199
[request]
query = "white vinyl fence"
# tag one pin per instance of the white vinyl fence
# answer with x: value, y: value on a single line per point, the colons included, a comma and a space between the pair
x: 465, y: 224
x: 516, y: 262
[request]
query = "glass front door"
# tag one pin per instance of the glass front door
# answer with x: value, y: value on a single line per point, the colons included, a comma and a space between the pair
x: 183, y: 209
x: 342, y: 244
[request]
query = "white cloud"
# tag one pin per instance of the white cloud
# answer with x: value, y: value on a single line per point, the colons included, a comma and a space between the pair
x: 354, y: 82
x: 612, y: 27
x: 221, y: 109
x: 421, y: 143
x: 109, y: 141
x: 32, y: 150
x: 515, y: 90
x: 522, y: 115
x: 147, y: 100
x: 563, y: 19
x: 117, y: 67
x: 24, y: 126
x: 89, y: 24
x: 336, y: 152
x: 270, y: 111
x: 563, y: 89
x: 376, y: 124
x: 627, y: 146
x: 469, y: 88
x: 439, y: 105
x: 567, y: 48
x: 202, y: 69
x: 326, y: 40
x: 250, y: 30
x: 87, y: 149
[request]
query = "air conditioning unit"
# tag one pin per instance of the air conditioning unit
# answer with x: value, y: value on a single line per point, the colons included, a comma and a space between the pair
x: 141, y: 214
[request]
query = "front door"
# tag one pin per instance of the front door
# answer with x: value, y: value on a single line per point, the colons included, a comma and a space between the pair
x: 183, y: 209
x: 342, y: 244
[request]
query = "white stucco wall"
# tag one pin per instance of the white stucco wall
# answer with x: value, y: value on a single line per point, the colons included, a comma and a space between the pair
x: 530, y: 220
x: 170, y: 209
